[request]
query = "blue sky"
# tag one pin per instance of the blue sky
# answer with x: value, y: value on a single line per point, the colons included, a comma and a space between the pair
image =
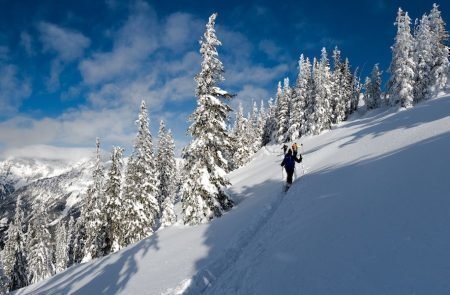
x: 74, y: 70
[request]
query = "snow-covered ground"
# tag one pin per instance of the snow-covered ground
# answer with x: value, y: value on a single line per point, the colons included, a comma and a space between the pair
x: 370, y: 216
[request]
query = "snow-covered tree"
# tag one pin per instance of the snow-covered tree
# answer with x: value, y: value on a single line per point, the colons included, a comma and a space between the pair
x: 39, y: 247
x: 79, y: 239
x: 283, y: 108
x: 61, y: 248
x: 140, y: 204
x: 114, y: 204
x: 402, y: 68
x: 94, y: 214
x: 14, y: 256
x: 243, y: 149
x: 322, y: 94
x: 372, y: 96
x: 311, y: 103
x: 71, y: 235
x: 166, y: 167
x: 255, y: 132
x: 261, y: 122
x: 4, y: 281
x: 269, y: 123
x: 355, y: 91
x: 440, y: 51
x: 297, y: 120
x: 423, y: 59
x: 203, y: 195
x: 339, y: 88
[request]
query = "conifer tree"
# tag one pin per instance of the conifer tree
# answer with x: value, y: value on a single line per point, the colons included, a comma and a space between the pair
x: 283, y: 108
x: 4, y: 281
x: 71, y: 241
x: 114, y: 204
x: 423, y: 59
x: 355, y: 91
x: 203, y: 195
x: 297, y: 120
x: 339, y: 88
x: 269, y: 123
x: 312, y: 103
x: 440, y: 51
x: 14, y: 256
x: 402, y: 68
x: 39, y: 247
x: 243, y: 150
x: 372, y: 96
x: 166, y: 167
x: 94, y: 214
x: 61, y: 248
x: 141, y: 208
x: 80, y: 240
x: 255, y: 131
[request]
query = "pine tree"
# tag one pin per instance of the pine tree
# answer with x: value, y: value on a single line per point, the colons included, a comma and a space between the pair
x: 402, y: 68
x: 243, y: 150
x: 339, y: 88
x: 322, y: 94
x: 423, y: 58
x: 62, y: 248
x: 141, y: 208
x: 78, y: 248
x: 440, y: 51
x: 94, y: 213
x: 14, y: 256
x: 355, y: 91
x: 113, y: 203
x: 39, y: 247
x: 269, y: 123
x: 372, y: 96
x: 283, y: 108
x: 166, y: 167
x: 312, y: 102
x: 71, y: 241
x: 254, y: 129
x: 203, y: 194
x: 4, y: 281
x: 261, y: 121
x: 297, y: 120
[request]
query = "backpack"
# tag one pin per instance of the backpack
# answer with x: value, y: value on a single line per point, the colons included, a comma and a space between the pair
x: 289, y: 162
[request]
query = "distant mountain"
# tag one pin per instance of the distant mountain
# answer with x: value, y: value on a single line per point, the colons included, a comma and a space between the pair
x: 59, y: 185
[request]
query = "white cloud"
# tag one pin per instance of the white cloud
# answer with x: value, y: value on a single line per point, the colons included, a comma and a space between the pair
x: 47, y: 152
x: 13, y: 89
x: 179, y: 30
x: 26, y: 41
x: 68, y: 44
x: 133, y: 43
x: 248, y: 94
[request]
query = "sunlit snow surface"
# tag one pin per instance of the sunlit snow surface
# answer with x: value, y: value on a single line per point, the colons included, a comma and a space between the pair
x: 370, y: 216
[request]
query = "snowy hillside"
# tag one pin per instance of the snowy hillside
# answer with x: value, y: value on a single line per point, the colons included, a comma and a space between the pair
x: 370, y: 216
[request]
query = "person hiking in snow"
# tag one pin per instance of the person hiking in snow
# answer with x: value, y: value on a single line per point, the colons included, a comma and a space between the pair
x: 289, y: 165
x: 294, y: 149
x: 284, y: 149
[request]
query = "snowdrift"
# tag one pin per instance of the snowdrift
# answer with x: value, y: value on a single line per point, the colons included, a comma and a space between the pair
x: 371, y: 215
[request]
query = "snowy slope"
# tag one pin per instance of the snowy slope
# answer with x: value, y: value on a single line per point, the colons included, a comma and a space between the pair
x: 371, y: 216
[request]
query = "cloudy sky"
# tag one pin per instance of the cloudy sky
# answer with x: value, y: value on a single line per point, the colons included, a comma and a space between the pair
x: 74, y: 70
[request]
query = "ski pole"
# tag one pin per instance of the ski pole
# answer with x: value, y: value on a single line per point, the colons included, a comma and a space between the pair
x: 303, y: 152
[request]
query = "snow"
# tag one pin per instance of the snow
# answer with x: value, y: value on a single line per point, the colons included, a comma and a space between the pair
x: 370, y: 216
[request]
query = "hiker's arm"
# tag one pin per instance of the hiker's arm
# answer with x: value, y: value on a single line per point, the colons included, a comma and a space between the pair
x: 299, y: 159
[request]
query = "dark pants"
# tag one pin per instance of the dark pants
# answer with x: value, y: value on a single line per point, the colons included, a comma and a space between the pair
x: 290, y: 173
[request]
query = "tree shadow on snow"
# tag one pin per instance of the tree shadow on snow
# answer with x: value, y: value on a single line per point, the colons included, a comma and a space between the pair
x: 108, y: 275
